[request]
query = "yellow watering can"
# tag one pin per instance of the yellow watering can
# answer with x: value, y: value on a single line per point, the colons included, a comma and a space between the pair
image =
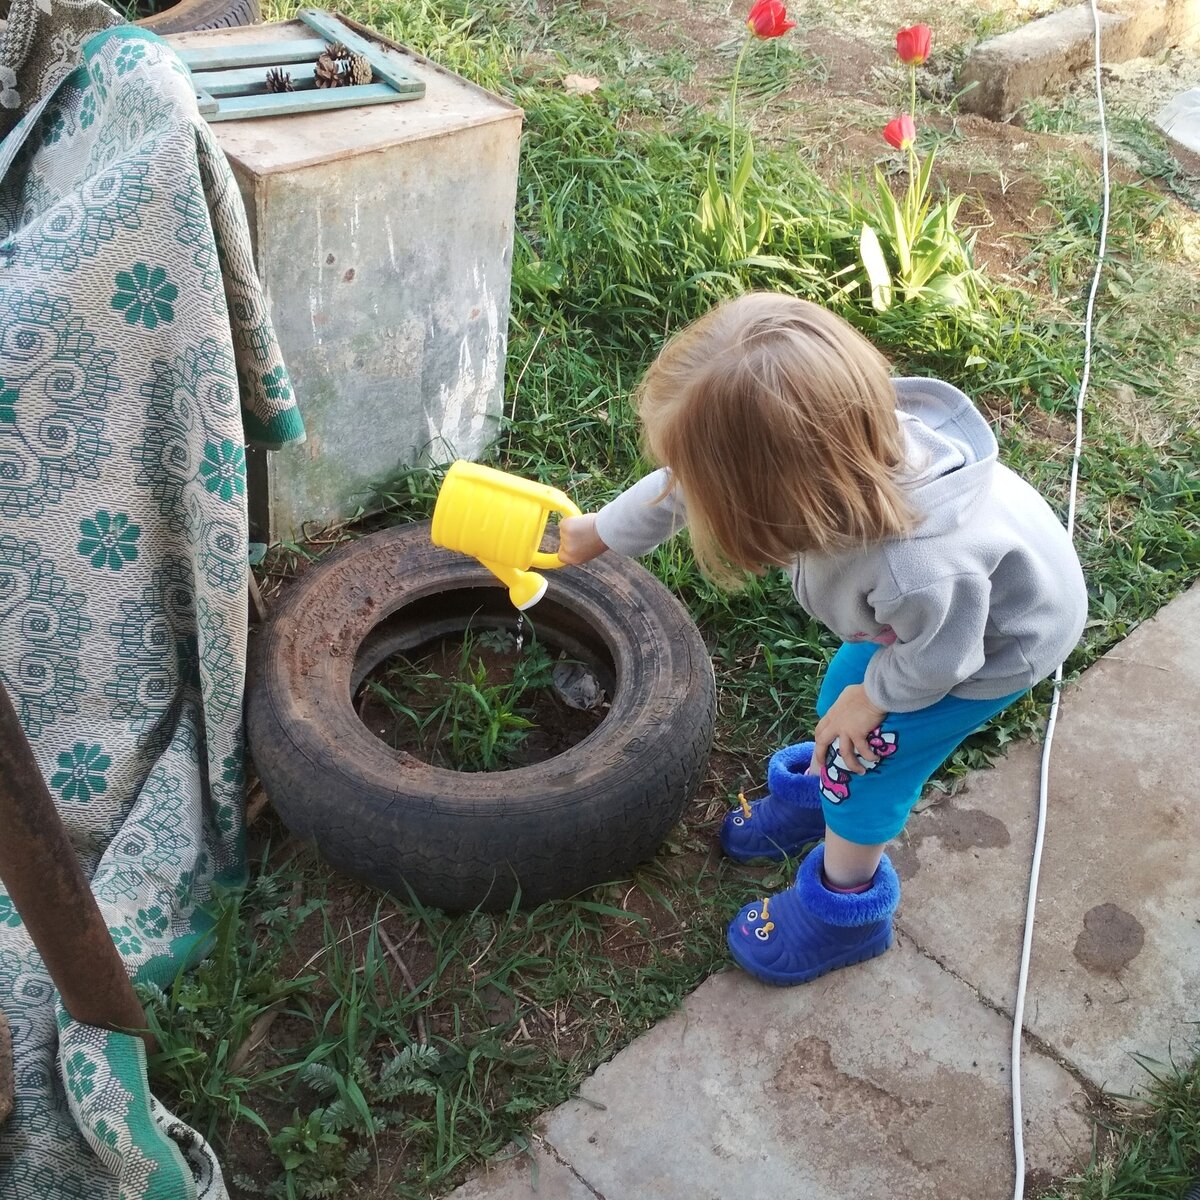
x: 499, y: 519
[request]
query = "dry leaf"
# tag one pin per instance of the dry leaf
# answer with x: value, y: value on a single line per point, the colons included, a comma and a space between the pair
x: 580, y: 85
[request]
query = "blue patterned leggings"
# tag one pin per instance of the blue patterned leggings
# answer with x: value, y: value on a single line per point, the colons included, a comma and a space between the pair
x: 872, y: 808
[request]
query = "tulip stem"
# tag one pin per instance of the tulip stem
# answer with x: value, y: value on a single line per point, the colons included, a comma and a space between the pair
x: 737, y: 70
x: 912, y: 154
x: 910, y: 204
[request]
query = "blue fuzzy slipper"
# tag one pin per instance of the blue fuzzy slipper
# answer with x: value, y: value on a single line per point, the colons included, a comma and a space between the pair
x: 784, y: 821
x: 808, y: 930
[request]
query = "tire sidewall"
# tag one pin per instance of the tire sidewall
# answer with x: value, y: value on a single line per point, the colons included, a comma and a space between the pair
x: 193, y: 15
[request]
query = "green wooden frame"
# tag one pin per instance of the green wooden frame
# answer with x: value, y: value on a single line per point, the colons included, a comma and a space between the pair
x: 231, y: 81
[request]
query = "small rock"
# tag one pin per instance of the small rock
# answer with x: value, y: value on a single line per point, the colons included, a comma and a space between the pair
x: 577, y: 685
x: 580, y: 85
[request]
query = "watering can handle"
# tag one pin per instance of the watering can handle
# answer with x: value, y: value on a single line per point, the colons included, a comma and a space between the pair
x: 566, y: 508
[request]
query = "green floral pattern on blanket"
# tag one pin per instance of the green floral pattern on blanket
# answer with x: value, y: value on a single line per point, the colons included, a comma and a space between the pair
x: 80, y: 773
x: 145, y: 295
x: 136, y: 358
x: 108, y: 539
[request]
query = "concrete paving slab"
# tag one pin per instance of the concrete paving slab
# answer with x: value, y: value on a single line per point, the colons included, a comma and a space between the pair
x: 1116, y: 962
x: 888, y: 1080
x: 518, y: 1177
x: 1179, y: 121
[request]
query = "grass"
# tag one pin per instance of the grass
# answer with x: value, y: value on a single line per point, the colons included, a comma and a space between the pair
x: 490, y: 1018
x: 1135, y: 142
x: 1155, y: 1151
x: 339, y: 1040
x: 461, y: 714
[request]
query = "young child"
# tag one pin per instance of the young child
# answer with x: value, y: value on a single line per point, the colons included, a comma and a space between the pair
x: 954, y: 588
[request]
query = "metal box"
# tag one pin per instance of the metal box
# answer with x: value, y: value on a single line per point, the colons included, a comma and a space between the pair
x: 383, y: 237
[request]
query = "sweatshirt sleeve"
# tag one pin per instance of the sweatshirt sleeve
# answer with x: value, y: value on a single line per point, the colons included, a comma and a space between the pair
x: 638, y: 520
x: 939, y: 643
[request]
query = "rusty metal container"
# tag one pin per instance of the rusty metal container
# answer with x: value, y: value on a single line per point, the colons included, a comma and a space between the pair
x: 383, y: 237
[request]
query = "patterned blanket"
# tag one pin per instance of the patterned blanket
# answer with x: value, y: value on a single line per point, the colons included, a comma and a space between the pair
x: 136, y: 358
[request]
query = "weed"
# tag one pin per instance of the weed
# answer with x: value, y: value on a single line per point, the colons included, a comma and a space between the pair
x: 320, y: 1150
x: 1156, y: 1149
x: 1141, y: 226
x: 418, y: 1071
x: 465, y: 720
x: 1132, y: 137
x: 207, y: 1020
x: 773, y: 68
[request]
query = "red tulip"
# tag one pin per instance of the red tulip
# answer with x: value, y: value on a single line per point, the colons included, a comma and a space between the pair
x: 768, y: 19
x: 900, y: 132
x: 912, y: 44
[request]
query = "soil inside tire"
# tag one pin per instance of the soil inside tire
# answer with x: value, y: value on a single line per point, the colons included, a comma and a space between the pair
x: 418, y: 702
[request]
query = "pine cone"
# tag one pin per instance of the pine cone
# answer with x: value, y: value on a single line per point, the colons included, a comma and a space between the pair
x: 338, y: 51
x: 278, y: 80
x: 360, y: 69
x: 328, y: 71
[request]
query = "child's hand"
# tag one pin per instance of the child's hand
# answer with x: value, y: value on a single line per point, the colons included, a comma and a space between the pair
x: 578, y: 541
x: 849, y: 720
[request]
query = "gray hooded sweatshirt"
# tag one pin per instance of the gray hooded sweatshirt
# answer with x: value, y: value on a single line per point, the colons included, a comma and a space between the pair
x: 983, y: 599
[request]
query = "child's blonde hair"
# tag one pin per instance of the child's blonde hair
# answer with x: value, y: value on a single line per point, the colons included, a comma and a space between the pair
x: 778, y: 422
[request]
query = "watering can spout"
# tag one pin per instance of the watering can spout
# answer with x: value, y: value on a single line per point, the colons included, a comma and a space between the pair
x: 525, y: 588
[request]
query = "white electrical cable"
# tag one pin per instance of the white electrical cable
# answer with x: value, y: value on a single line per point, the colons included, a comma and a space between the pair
x: 1044, y: 782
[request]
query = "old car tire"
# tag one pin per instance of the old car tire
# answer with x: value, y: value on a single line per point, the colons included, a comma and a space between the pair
x: 187, y: 15
x: 463, y: 840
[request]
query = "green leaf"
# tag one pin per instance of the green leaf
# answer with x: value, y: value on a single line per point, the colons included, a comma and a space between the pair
x: 926, y: 264
x: 321, y: 1078
x: 608, y: 910
x: 923, y: 175
x: 876, y: 266
x: 356, y: 1098
x: 413, y: 1058
x: 338, y: 1117
x: 357, y: 1161
x: 894, y: 224
x: 764, y: 227
x: 742, y: 175
x: 951, y: 290
x: 443, y: 1132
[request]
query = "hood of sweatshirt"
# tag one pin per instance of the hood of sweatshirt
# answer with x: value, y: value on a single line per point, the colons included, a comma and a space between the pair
x: 951, y: 453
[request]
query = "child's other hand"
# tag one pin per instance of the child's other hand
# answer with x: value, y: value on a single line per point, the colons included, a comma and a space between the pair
x: 849, y: 720
x: 578, y: 541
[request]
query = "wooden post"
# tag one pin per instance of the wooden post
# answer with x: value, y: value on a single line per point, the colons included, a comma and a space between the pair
x: 6, y: 1074
x: 43, y: 879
